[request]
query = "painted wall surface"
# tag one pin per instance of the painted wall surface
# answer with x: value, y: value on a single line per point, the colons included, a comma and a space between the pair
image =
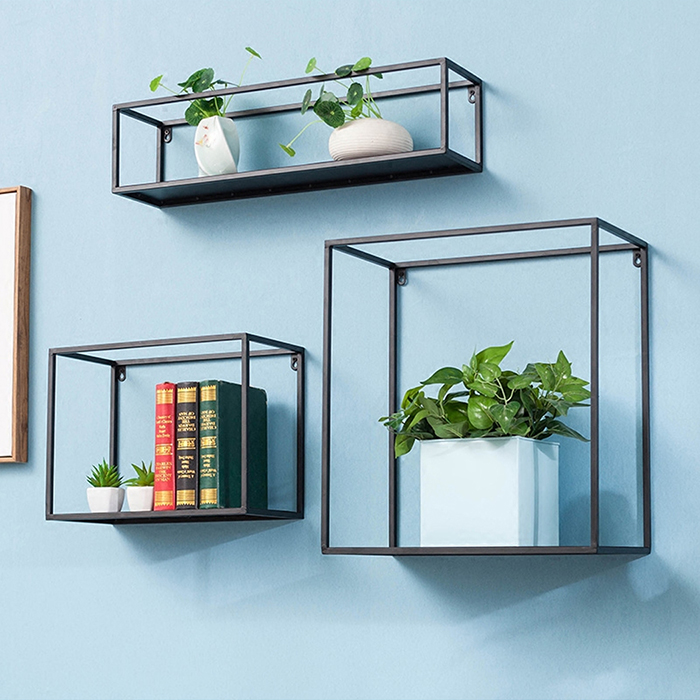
x: 590, y: 110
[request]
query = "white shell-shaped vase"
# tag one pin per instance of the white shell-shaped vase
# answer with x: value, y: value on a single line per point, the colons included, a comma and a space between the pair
x: 105, y: 499
x: 364, y: 138
x: 216, y: 146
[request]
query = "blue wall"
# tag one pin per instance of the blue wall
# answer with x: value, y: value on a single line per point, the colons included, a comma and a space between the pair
x: 591, y: 110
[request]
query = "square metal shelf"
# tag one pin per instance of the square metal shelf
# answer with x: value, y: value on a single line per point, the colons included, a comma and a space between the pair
x: 432, y: 162
x: 106, y: 354
x: 398, y: 271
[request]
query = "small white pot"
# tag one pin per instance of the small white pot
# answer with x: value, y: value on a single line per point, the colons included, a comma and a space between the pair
x: 216, y: 146
x: 489, y: 492
x: 139, y: 497
x: 364, y: 138
x: 105, y: 499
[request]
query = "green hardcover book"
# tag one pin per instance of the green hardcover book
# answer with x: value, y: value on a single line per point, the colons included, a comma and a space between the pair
x: 220, y: 445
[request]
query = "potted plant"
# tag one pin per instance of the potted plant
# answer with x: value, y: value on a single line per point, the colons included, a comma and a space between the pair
x: 359, y: 131
x: 139, y: 489
x: 487, y: 476
x: 105, y: 494
x: 216, y: 143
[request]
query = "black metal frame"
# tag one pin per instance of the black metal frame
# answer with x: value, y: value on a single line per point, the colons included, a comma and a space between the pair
x: 119, y: 373
x: 300, y: 178
x: 398, y: 277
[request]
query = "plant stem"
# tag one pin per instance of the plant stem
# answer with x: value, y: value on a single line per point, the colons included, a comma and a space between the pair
x: 316, y: 121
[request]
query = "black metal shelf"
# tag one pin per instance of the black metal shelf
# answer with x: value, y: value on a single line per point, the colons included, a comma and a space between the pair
x: 109, y: 355
x: 434, y: 162
x: 398, y: 274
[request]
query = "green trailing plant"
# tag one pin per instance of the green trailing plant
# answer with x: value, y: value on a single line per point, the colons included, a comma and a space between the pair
x: 201, y: 81
x: 483, y: 400
x: 357, y: 103
x: 103, y: 475
x: 145, y: 476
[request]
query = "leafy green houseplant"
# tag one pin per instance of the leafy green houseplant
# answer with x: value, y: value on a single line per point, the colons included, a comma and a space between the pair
x: 487, y: 475
x: 216, y: 142
x: 105, y: 494
x: 355, y: 117
x: 139, y: 491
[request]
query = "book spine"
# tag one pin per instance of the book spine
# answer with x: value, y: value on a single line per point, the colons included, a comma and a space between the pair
x: 164, y: 486
x: 186, y: 449
x: 209, y: 493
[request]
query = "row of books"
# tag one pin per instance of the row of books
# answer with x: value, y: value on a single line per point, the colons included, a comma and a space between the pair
x: 198, y: 446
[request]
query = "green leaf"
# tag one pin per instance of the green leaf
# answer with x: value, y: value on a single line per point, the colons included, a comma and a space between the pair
x: 288, y: 150
x: 363, y: 64
x: 306, y: 101
x: 431, y: 405
x: 505, y: 414
x: 356, y: 111
x: 576, y: 394
x: 310, y: 65
x: 483, y: 388
x: 520, y: 381
x: 445, y: 375
x: 378, y: 75
x: 330, y: 112
x: 200, y: 109
x: 559, y: 428
x: 343, y: 71
x: 417, y: 418
x: 155, y: 83
x: 355, y: 93
x: 403, y: 444
x: 204, y: 81
x: 489, y: 371
x: 546, y: 376
x: 494, y: 354
x: 563, y: 366
x: 253, y: 52
x: 478, y: 410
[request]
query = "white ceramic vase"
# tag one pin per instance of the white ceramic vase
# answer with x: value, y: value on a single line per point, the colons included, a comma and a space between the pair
x: 139, y: 498
x: 105, y: 499
x: 485, y: 492
x: 216, y: 146
x: 364, y: 138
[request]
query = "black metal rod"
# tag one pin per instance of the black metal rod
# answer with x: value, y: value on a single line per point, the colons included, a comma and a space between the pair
x: 470, y: 551
x: 50, y: 433
x: 115, y: 147
x: 646, y: 404
x: 326, y: 398
x: 301, y: 434
x: 274, y: 85
x: 524, y: 255
x: 141, y: 117
x: 444, y: 107
x: 595, y: 388
x: 200, y: 358
x: 449, y: 233
x: 160, y: 155
x: 620, y: 233
x: 468, y: 75
x: 114, y: 417
x: 479, y: 125
x: 86, y: 358
x: 393, y: 346
x: 245, y: 384
x: 366, y: 256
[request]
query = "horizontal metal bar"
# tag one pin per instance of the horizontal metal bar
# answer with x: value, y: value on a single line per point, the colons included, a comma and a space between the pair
x: 463, y: 551
x: 620, y: 233
x: 296, y: 106
x: 449, y: 233
x: 635, y: 551
x: 169, y: 359
x: 142, y: 117
x: 87, y: 358
x: 279, y: 514
x: 261, y: 340
x: 366, y: 256
x: 274, y: 85
x: 524, y: 255
x: 172, y: 516
x: 456, y: 68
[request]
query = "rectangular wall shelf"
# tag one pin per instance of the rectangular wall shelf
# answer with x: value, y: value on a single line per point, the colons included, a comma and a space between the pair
x: 447, y: 159
x: 111, y: 356
x: 384, y: 252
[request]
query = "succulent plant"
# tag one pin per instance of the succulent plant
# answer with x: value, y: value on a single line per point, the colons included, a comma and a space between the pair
x: 103, y: 475
x: 145, y: 476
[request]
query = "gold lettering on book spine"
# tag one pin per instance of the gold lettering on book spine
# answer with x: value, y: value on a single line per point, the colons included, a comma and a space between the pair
x: 163, y: 498
x: 187, y: 395
x: 207, y: 441
x: 164, y: 396
x: 208, y: 393
x: 185, y: 497
x: 186, y: 443
x: 208, y: 497
x: 164, y: 450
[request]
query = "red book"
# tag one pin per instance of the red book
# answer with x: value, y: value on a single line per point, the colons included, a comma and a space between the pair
x: 164, y: 487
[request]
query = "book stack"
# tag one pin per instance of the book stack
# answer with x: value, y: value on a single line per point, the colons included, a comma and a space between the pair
x: 198, y: 446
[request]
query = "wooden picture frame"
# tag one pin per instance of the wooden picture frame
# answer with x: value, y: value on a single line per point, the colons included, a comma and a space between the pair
x: 15, y: 232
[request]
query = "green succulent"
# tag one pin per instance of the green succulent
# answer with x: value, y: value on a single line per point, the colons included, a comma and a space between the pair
x: 103, y: 475
x: 145, y: 476
x: 490, y: 402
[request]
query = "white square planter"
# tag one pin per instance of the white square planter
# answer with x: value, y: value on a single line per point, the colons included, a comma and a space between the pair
x: 489, y: 492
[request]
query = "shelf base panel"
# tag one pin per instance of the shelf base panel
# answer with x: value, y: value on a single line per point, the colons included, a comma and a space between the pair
x: 484, y: 551
x: 176, y: 516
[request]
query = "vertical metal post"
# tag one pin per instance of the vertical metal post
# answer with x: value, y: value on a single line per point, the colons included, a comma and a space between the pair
x: 595, y: 389
x: 444, y: 106
x: 115, y: 147
x: 160, y: 154
x: 50, y: 433
x: 393, y: 475
x: 478, y: 125
x: 300, y: 433
x: 114, y: 416
x: 245, y: 384
x: 646, y: 427
x: 326, y: 400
